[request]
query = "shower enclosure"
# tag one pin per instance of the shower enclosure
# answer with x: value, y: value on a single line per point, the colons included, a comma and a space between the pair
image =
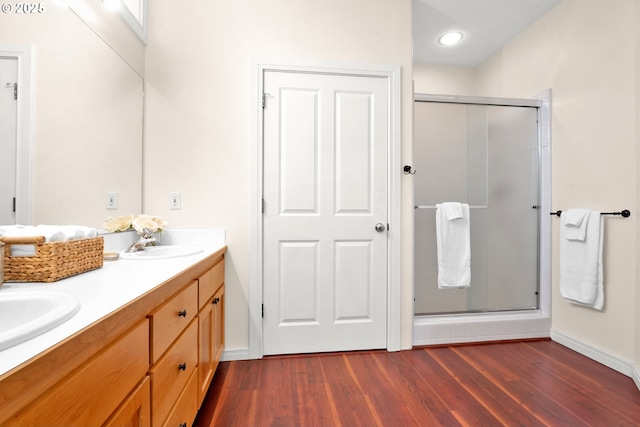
x: 486, y: 153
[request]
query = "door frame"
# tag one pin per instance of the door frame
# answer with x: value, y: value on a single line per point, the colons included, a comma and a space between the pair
x: 393, y: 76
x: 24, y: 148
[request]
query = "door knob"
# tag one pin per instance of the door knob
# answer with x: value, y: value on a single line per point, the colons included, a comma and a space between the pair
x: 380, y: 227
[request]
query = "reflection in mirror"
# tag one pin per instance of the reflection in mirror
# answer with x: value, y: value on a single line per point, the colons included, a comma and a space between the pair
x: 86, y: 106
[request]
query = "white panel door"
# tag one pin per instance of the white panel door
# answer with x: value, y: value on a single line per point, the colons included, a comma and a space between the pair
x: 326, y: 141
x: 8, y: 138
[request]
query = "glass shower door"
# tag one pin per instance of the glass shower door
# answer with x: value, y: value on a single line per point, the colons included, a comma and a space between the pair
x: 486, y: 156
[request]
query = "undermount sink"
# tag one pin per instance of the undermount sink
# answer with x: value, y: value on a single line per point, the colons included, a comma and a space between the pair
x: 161, y: 252
x: 25, y: 314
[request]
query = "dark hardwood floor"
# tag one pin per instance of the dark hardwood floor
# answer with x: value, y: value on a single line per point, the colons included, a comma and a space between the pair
x: 535, y: 383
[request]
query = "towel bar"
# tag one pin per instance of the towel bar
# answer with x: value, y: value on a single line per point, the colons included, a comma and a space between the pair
x: 625, y: 213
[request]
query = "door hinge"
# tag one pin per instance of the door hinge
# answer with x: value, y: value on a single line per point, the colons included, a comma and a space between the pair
x: 262, y: 205
x: 263, y: 311
x: 264, y: 99
x: 15, y: 89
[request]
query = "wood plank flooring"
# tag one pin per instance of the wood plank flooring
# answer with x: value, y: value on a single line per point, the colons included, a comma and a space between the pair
x: 535, y: 383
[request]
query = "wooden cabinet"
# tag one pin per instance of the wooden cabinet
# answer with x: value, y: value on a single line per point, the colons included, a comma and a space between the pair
x: 211, y: 326
x: 175, y: 345
x: 149, y: 363
x: 92, y: 393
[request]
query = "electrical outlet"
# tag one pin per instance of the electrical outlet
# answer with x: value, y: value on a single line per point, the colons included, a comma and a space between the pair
x: 112, y: 200
x: 174, y: 200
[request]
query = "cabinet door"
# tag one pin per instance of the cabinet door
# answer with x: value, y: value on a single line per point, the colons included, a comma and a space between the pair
x: 205, y: 349
x: 89, y: 395
x: 135, y: 411
x: 210, y: 341
x: 218, y: 326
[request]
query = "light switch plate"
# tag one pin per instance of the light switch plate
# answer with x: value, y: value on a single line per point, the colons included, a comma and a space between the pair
x: 112, y: 200
x: 174, y: 200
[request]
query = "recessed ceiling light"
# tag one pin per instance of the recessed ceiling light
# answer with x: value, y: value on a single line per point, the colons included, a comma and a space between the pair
x: 450, y: 38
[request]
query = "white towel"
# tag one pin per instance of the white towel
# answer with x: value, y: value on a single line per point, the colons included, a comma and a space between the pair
x: 453, y: 245
x: 20, y: 231
x: 63, y: 233
x: 576, y: 222
x: 51, y: 233
x: 452, y: 210
x: 581, y: 273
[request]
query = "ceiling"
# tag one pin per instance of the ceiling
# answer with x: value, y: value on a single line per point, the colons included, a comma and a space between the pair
x: 486, y: 24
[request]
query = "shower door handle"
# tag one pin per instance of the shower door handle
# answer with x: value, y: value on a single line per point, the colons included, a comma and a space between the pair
x: 380, y: 227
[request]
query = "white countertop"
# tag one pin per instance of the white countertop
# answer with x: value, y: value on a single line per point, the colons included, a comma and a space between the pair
x: 100, y: 292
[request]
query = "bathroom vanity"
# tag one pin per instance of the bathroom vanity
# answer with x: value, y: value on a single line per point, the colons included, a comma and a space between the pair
x: 142, y: 350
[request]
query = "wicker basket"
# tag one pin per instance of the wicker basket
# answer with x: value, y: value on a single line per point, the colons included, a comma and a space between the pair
x: 52, y: 260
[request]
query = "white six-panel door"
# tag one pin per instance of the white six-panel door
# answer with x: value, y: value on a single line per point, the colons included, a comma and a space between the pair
x: 8, y: 138
x: 326, y: 142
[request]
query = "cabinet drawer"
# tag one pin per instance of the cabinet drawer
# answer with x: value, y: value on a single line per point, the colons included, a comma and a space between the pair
x: 209, y: 282
x: 170, y: 375
x: 184, y: 413
x: 88, y: 396
x: 170, y: 319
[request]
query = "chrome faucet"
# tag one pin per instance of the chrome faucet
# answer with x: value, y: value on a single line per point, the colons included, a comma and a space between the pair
x: 145, y: 238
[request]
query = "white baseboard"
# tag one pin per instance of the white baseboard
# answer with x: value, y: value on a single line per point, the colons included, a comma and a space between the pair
x: 467, y: 328
x: 636, y: 375
x: 229, y: 355
x: 614, y: 362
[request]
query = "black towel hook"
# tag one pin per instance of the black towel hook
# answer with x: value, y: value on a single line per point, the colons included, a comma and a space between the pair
x: 407, y: 170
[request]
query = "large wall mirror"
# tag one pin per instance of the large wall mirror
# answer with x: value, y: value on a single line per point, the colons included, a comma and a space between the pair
x: 84, y: 68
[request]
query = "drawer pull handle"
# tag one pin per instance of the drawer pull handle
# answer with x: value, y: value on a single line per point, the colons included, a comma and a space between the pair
x: 183, y: 425
x: 182, y: 313
x: 216, y: 300
x: 182, y: 367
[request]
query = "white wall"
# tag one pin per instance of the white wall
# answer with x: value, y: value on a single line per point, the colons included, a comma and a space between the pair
x: 445, y: 80
x: 197, y: 113
x: 585, y: 51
